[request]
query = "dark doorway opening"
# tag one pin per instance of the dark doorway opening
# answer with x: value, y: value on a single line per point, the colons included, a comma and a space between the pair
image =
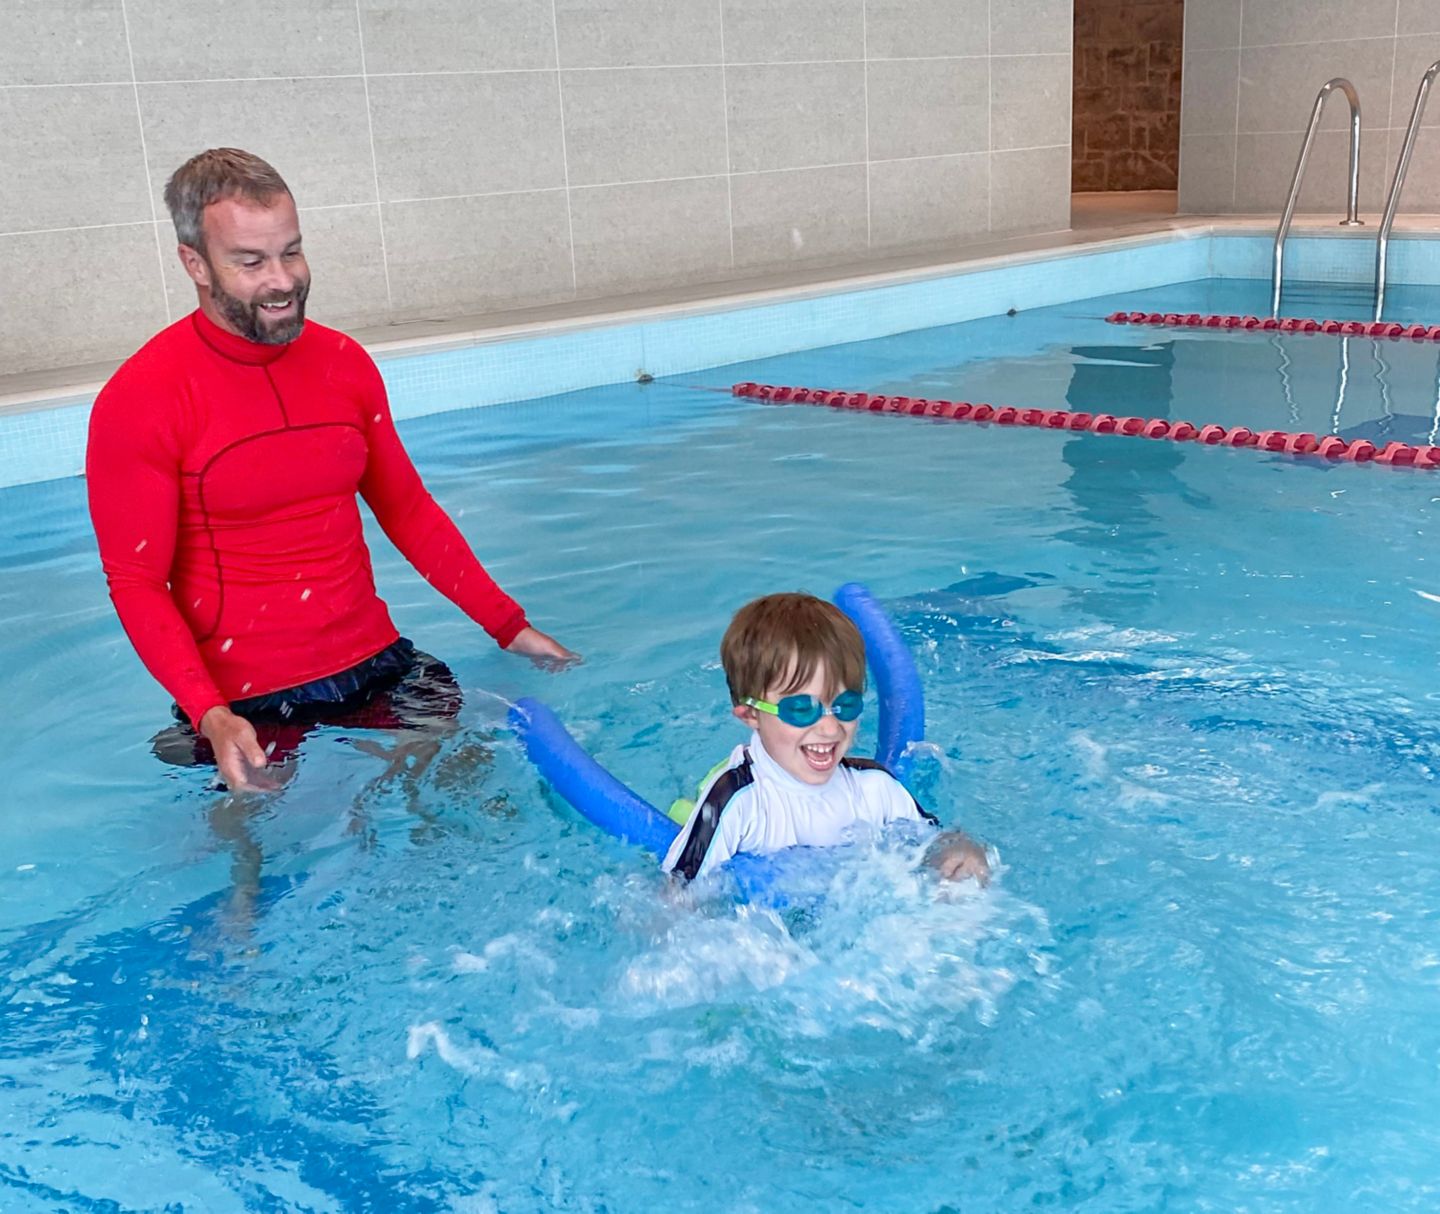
x: 1125, y: 146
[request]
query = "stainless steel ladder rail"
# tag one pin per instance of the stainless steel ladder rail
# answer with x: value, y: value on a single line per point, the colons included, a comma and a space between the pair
x: 1392, y: 202
x: 1351, y: 218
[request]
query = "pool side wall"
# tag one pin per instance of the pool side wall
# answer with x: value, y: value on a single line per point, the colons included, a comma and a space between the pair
x: 47, y: 441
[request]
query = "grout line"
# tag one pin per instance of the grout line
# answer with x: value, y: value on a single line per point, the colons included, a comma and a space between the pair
x: 530, y: 71
x: 865, y: 61
x: 374, y: 162
x: 1239, y: 75
x: 602, y: 185
x: 564, y: 149
x: 990, y: 117
x: 1394, y: 67
x: 725, y: 114
x: 145, y: 157
x: 86, y: 227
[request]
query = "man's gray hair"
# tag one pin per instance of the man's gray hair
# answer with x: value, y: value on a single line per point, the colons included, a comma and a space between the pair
x: 212, y: 175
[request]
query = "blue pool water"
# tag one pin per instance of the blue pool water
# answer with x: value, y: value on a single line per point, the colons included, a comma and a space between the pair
x: 1188, y: 694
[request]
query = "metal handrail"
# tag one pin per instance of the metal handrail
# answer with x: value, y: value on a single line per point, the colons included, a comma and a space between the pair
x: 1351, y: 219
x: 1392, y: 203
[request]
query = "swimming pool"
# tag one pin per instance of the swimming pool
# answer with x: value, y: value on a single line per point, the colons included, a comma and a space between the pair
x: 1186, y: 692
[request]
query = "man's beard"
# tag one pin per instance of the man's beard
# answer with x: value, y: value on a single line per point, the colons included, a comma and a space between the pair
x: 250, y: 321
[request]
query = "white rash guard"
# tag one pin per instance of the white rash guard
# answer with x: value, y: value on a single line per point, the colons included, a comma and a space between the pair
x: 775, y: 810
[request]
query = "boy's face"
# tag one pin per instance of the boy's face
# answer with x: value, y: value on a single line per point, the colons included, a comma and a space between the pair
x: 810, y: 754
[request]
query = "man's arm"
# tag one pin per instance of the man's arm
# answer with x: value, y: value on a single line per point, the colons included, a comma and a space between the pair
x: 429, y: 540
x: 133, y: 480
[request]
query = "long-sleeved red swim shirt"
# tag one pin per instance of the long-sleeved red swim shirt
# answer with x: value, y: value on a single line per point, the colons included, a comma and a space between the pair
x: 223, y: 478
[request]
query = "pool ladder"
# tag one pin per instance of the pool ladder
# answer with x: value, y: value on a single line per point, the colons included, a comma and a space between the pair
x: 1392, y: 202
x: 1352, y: 219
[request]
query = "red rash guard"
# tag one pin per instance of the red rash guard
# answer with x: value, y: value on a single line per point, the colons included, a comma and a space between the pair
x: 222, y: 479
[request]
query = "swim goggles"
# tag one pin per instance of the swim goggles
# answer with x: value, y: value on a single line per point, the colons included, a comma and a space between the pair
x: 804, y: 711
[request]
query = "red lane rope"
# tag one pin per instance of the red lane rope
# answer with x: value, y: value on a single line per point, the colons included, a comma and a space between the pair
x: 1285, y: 324
x: 1359, y: 451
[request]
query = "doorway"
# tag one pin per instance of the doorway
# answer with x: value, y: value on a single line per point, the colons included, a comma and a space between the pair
x: 1125, y: 140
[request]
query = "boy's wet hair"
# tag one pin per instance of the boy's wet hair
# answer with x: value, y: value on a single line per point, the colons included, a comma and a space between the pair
x: 210, y: 176
x: 776, y: 643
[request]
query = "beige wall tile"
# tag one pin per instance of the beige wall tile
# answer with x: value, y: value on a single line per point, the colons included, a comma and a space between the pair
x: 1030, y: 101
x: 79, y: 42
x: 1212, y: 25
x: 799, y: 116
x: 104, y: 313
x: 1278, y: 83
x: 1265, y: 163
x: 347, y: 265
x: 460, y: 256
x: 788, y: 31
x: 637, y: 33
x: 1211, y: 92
x: 347, y: 268
x: 220, y: 40
x: 928, y: 107
x: 639, y: 124
x: 466, y: 133
x: 909, y: 29
x: 1418, y: 17
x: 657, y: 233
x: 1207, y: 174
x: 315, y: 132
x: 798, y: 215
x: 1032, y: 27
x: 1421, y: 191
x: 916, y: 203
x: 1269, y: 22
x: 69, y: 156
x: 457, y: 35
x: 1413, y: 57
x: 1030, y: 190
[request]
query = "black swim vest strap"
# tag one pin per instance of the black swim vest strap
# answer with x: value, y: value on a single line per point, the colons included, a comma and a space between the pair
x: 872, y: 765
x: 706, y: 817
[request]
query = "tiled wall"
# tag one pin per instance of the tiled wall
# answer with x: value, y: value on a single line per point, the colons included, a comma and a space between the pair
x: 1252, y: 69
x: 1127, y: 94
x: 457, y: 157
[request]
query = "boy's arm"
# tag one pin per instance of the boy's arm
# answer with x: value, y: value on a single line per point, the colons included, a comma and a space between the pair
x: 955, y: 856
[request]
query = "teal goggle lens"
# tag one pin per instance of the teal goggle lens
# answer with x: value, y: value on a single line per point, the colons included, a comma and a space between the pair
x: 804, y: 711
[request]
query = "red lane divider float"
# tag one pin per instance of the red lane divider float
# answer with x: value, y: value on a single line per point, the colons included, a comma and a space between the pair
x: 1285, y: 324
x: 1359, y: 451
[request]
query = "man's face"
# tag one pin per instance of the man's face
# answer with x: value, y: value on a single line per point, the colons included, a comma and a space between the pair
x: 252, y: 272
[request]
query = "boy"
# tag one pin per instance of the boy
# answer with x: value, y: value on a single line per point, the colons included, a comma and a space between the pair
x: 795, y: 665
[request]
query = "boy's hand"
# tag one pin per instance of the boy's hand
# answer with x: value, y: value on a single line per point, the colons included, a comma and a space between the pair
x: 955, y: 856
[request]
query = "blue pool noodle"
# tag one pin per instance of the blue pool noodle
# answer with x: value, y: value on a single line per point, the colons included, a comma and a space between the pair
x: 591, y: 789
x: 616, y: 808
x: 897, y: 682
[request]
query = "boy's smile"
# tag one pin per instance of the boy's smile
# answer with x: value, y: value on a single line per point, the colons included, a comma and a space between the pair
x: 812, y: 753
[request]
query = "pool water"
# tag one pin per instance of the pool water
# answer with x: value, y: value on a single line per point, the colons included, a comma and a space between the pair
x: 1187, y: 693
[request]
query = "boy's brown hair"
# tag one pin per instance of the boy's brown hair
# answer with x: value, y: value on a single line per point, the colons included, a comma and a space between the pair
x: 210, y: 176
x: 776, y: 643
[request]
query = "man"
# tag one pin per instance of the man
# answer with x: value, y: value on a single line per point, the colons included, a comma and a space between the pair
x: 224, y: 461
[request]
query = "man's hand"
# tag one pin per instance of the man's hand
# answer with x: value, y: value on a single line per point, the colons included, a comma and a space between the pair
x: 546, y: 652
x: 955, y: 856
x: 238, y: 753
